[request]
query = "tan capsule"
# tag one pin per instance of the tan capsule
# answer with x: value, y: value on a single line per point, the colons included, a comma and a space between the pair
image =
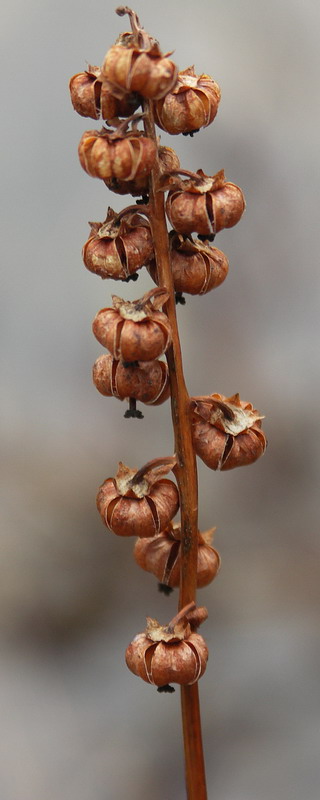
x: 104, y: 156
x: 134, y: 330
x: 162, y: 557
x: 205, y: 206
x: 118, y: 250
x: 227, y: 432
x: 190, y: 105
x: 165, y: 654
x: 147, y: 381
x: 92, y: 98
x: 147, y: 71
x: 137, y: 509
x: 197, y: 268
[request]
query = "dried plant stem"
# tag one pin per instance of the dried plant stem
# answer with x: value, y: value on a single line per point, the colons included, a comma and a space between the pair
x: 185, y: 472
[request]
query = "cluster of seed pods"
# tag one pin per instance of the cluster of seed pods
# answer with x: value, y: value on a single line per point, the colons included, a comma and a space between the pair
x: 226, y: 432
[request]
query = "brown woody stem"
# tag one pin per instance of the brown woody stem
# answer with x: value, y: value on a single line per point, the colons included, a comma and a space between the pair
x: 185, y: 472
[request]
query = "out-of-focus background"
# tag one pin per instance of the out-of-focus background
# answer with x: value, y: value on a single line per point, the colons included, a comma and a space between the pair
x: 76, y: 723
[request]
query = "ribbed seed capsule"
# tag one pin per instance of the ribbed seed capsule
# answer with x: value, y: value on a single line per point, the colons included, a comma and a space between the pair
x: 104, y: 155
x: 147, y: 381
x: 206, y: 205
x: 134, y: 331
x: 162, y: 556
x: 119, y: 246
x: 139, y: 502
x: 196, y: 266
x: 166, y: 654
x: 190, y: 105
x: 144, y: 69
x: 91, y: 98
x: 226, y: 431
x: 168, y: 160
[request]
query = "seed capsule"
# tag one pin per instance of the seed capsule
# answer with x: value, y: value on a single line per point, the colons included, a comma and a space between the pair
x: 168, y: 160
x: 147, y: 381
x: 119, y: 246
x: 196, y: 266
x: 226, y: 431
x: 91, y: 98
x: 190, y: 105
x: 206, y: 205
x: 170, y: 653
x: 134, y: 331
x: 139, y: 502
x: 111, y: 155
x: 131, y: 66
x: 162, y: 556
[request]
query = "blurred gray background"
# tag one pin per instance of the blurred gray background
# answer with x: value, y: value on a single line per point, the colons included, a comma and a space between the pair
x: 76, y: 723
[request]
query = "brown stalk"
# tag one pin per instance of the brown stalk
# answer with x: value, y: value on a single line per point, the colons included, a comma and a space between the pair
x: 185, y: 471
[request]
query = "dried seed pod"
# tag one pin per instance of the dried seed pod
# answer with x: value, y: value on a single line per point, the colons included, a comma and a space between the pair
x: 170, y: 653
x: 205, y: 205
x: 139, y: 502
x: 190, y: 105
x: 116, y: 155
x: 196, y: 266
x: 119, y: 246
x: 227, y: 431
x: 85, y: 90
x: 162, y: 556
x: 147, y: 381
x: 137, y: 330
x: 168, y: 160
x: 136, y: 64
x: 91, y: 98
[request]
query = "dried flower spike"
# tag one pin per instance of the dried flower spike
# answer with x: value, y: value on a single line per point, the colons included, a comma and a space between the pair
x: 224, y: 431
x: 227, y: 431
x: 139, y: 502
x: 166, y: 654
x: 137, y: 330
x: 162, y: 556
x: 119, y: 246
x: 191, y: 104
